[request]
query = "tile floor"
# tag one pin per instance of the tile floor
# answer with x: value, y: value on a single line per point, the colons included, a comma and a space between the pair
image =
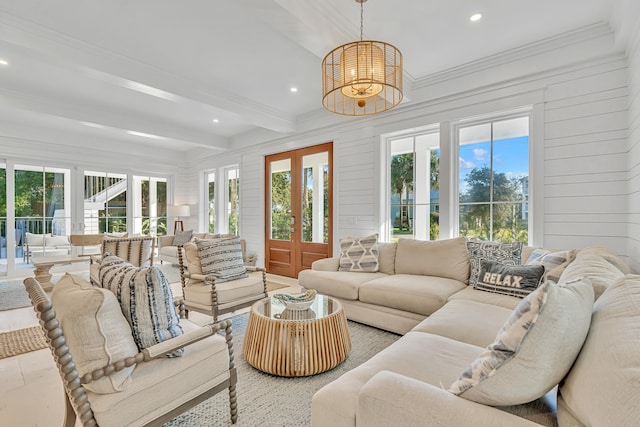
x: 31, y: 392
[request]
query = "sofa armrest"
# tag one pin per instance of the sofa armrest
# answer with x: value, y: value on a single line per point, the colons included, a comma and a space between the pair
x: 326, y: 264
x: 165, y: 241
x: 392, y: 399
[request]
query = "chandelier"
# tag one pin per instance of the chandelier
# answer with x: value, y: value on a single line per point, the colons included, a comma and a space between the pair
x: 363, y: 77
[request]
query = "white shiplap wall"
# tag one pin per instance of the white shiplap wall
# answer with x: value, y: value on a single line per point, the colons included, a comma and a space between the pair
x: 633, y: 158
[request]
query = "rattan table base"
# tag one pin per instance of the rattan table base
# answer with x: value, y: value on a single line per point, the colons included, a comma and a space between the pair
x: 295, y: 348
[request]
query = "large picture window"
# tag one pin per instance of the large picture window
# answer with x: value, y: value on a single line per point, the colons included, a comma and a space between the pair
x: 150, y: 205
x: 493, y: 183
x: 105, y: 202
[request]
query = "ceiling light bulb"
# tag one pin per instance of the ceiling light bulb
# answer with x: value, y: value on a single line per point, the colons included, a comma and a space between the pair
x: 475, y: 17
x: 3, y: 62
x: 216, y: 120
x: 293, y: 89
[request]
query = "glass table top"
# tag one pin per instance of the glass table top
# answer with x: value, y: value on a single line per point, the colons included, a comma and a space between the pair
x: 273, y: 308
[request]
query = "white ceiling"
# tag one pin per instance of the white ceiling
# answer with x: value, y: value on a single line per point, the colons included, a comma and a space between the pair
x: 168, y: 68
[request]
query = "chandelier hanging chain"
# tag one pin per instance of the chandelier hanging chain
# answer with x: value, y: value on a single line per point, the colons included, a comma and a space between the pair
x: 361, y: 20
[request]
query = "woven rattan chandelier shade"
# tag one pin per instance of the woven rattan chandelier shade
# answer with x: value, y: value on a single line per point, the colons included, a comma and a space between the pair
x: 362, y: 78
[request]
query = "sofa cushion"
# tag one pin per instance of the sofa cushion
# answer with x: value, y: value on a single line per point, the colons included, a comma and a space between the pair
x: 340, y: 284
x: 504, y: 253
x: 182, y: 237
x: 359, y: 254
x: 471, y: 294
x: 56, y: 241
x: 535, y: 348
x: 471, y: 322
x: 601, y: 266
x: 387, y: 257
x: 417, y: 294
x: 145, y: 299
x: 36, y: 239
x: 554, y: 262
x: 515, y: 280
x: 602, y: 387
x: 95, y: 329
x: 222, y: 258
x: 441, y: 258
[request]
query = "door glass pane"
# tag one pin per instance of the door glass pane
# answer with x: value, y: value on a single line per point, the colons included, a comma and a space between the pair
x: 149, y: 205
x: 211, y: 191
x: 315, y: 189
x: 281, y: 222
x: 233, y: 198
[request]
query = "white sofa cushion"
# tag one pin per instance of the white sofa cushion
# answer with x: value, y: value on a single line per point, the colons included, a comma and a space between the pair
x: 56, y: 241
x: 467, y: 321
x: 359, y: 254
x: 95, y: 329
x: 340, y: 284
x: 471, y: 294
x: 602, y: 387
x: 36, y: 239
x: 441, y: 258
x: 145, y: 298
x: 535, y: 348
x: 387, y: 257
x: 414, y: 293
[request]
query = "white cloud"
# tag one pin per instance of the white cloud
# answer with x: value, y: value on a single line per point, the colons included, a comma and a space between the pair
x: 466, y: 165
x: 479, y: 154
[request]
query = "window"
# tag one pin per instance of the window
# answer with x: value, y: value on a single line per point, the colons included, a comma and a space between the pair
x: 150, y: 205
x: 414, y: 186
x: 493, y: 179
x: 105, y: 202
x: 3, y: 220
x: 233, y: 200
x: 211, y: 201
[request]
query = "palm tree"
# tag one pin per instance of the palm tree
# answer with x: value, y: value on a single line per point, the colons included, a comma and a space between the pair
x: 402, y: 180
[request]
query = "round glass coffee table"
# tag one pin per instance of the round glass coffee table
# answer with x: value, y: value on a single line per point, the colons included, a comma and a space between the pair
x: 293, y: 343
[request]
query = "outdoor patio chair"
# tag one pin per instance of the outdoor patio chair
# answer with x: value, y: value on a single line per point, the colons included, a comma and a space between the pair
x: 150, y: 388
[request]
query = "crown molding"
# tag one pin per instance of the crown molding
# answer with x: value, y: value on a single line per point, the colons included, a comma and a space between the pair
x: 553, y: 43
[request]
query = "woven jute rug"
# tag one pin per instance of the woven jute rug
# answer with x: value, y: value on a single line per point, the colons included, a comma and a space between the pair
x: 21, y: 341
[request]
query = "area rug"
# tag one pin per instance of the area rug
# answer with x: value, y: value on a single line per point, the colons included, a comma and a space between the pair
x: 13, y: 295
x: 267, y: 400
x: 21, y: 341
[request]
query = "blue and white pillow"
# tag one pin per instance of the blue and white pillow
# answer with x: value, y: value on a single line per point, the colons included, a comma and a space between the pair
x: 222, y: 258
x: 145, y: 299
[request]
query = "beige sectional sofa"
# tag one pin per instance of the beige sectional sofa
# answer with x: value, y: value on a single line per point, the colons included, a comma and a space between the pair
x: 447, y: 325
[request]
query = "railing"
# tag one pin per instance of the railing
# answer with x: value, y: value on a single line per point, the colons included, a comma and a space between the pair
x: 24, y: 225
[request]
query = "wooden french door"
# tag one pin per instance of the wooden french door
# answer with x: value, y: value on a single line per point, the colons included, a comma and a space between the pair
x: 298, y: 195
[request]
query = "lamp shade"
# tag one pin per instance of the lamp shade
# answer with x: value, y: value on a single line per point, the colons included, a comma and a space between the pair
x: 180, y: 210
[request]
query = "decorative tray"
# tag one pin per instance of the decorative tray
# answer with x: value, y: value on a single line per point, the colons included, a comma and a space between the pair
x: 297, y: 302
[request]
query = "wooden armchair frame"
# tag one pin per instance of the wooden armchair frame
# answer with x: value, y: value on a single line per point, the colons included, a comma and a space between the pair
x: 77, y: 403
x: 211, y: 280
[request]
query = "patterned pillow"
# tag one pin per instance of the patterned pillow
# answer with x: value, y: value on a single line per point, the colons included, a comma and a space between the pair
x: 359, y: 254
x: 504, y: 253
x: 554, y: 262
x: 515, y: 280
x: 145, y: 299
x: 535, y: 348
x: 222, y: 258
x: 182, y: 237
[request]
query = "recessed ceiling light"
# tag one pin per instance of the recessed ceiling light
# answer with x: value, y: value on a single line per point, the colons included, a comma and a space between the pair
x: 216, y: 121
x: 293, y: 89
x: 475, y: 17
x: 3, y: 62
x: 146, y: 135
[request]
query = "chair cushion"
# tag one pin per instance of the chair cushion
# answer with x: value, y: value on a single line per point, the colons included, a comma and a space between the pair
x: 56, y: 241
x: 504, y: 253
x: 408, y: 292
x: 535, y: 348
x: 442, y: 258
x: 359, y: 254
x: 36, y: 239
x: 163, y: 384
x: 235, y: 290
x: 515, y: 280
x: 95, y: 329
x: 602, y: 387
x: 554, y: 262
x: 145, y: 298
x: 222, y: 258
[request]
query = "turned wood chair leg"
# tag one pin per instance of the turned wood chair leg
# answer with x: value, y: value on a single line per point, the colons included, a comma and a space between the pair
x: 233, y: 404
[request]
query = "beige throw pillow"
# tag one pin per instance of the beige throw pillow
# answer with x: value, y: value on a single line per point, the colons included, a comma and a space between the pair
x: 96, y: 331
x: 554, y: 262
x: 534, y: 349
x: 359, y: 254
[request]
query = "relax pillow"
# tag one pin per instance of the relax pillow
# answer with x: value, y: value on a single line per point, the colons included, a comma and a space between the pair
x: 145, y: 299
x: 504, y: 253
x: 359, y: 254
x: 515, y: 280
x: 554, y: 262
x: 535, y: 348
x: 182, y: 237
x: 96, y: 331
x: 222, y: 258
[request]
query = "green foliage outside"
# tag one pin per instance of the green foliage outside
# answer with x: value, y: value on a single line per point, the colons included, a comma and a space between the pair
x: 281, y: 205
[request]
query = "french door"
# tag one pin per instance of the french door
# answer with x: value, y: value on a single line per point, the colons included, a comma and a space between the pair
x: 298, y: 194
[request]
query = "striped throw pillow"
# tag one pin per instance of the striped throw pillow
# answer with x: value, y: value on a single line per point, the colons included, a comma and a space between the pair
x: 222, y: 258
x: 145, y: 299
x: 359, y: 254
